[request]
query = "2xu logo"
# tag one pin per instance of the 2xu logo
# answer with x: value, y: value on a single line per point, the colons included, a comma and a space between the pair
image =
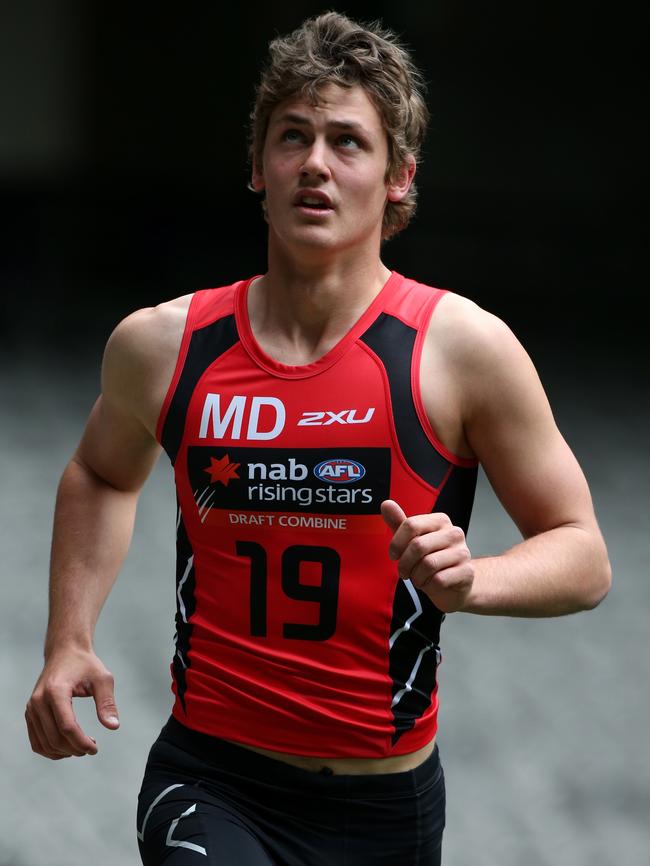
x: 347, y: 416
x: 266, y: 418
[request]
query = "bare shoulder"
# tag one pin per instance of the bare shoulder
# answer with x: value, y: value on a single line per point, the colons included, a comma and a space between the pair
x: 472, y: 368
x: 140, y: 357
x: 147, y: 333
x: 469, y: 332
x: 483, y: 352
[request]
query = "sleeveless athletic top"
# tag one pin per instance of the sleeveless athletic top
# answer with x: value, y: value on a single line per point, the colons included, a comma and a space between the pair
x: 293, y: 630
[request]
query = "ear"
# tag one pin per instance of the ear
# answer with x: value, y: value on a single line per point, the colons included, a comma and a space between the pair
x: 257, y: 177
x: 400, y: 184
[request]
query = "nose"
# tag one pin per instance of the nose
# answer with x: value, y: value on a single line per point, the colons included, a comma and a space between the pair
x: 315, y: 162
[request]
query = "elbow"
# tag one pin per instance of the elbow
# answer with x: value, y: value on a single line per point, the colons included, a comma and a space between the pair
x: 600, y: 584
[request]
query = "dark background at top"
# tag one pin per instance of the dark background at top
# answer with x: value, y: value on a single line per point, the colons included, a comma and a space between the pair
x: 123, y: 163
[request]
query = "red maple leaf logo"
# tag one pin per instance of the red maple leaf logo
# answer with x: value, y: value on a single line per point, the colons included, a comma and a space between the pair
x: 222, y: 470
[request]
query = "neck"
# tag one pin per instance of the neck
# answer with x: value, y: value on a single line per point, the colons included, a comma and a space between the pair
x: 299, y: 309
x: 314, y: 296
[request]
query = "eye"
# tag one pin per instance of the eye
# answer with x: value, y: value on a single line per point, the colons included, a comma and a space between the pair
x: 349, y: 142
x: 292, y: 135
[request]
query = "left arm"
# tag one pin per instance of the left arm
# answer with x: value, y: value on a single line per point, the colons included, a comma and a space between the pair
x: 561, y: 566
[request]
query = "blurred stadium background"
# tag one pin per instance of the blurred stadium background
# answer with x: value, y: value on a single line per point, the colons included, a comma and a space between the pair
x: 123, y: 177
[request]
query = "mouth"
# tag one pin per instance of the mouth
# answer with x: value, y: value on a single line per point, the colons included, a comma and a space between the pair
x: 313, y: 203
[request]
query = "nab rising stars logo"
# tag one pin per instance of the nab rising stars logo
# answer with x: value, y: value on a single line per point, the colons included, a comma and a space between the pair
x: 339, y: 471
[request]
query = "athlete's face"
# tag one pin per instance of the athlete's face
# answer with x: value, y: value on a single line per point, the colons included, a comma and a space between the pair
x: 324, y: 171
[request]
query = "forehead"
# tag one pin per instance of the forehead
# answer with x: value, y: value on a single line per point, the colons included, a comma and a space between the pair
x: 335, y: 104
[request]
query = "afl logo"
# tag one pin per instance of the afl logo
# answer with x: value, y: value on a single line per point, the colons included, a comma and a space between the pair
x: 339, y: 471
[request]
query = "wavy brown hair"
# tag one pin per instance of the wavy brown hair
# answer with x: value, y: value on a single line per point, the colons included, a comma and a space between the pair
x: 332, y: 49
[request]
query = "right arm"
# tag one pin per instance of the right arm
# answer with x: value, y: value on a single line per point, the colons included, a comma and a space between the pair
x: 93, y: 524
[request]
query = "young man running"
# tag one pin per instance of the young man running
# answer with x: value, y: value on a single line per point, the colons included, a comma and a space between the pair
x: 325, y: 421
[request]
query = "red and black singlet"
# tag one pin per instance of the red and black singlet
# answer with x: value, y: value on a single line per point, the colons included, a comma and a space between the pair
x: 293, y: 631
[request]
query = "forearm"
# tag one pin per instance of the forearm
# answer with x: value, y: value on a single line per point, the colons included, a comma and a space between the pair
x: 557, y: 572
x: 93, y: 524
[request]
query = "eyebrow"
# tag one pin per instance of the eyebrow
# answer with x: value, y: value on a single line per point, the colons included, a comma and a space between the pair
x: 301, y: 119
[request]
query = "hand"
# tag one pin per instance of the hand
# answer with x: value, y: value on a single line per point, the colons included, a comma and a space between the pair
x: 51, y: 723
x: 432, y: 554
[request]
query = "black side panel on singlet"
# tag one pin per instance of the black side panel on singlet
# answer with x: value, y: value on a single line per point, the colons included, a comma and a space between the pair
x: 206, y: 345
x: 457, y: 496
x: 392, y: 341
x: 414, y: 653
x: 185, y: 606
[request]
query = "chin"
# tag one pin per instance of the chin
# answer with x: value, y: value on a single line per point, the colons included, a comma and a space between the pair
x: 321, y: 237
x: 314, y: 237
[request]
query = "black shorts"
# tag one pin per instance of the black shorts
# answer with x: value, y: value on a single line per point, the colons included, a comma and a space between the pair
x: 207, y: 802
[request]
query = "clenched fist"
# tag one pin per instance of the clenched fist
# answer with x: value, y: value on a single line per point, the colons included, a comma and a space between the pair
x: 431, y: 552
